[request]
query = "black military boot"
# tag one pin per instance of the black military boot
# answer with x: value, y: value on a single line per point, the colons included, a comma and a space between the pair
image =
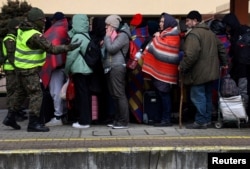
x: 10, y: 120
x: 36, y: 126
x: 20, y: 116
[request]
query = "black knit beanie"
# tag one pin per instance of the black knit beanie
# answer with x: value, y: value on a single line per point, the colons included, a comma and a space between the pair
x: 35, y: 14
x: 194, y: 15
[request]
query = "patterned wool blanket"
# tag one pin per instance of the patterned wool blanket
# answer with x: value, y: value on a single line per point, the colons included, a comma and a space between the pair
x: 161, y: 56
x: 57, y: 34
x: 136, y: 84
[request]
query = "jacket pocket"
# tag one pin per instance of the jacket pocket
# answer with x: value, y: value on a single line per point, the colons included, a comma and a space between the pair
x: 187, y: 79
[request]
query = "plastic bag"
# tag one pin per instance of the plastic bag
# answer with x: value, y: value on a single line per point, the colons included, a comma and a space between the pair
x: 64, y: 89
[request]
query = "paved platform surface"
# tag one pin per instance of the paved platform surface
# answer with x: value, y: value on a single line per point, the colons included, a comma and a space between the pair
x: 136, y: 137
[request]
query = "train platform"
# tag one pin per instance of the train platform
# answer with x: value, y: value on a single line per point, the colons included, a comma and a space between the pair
x: 101, y: 136
x: 137, y: 138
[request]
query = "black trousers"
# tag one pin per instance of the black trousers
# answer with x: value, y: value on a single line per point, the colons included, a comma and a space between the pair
x: 82, y: 101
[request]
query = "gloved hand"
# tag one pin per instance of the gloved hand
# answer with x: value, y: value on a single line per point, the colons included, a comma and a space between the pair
x: 74, y: 45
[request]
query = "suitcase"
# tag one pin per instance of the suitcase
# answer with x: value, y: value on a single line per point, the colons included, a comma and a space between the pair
x: 94, y: 107
x: 151, y: 107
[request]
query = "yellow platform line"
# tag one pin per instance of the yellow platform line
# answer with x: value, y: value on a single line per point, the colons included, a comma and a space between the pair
x: 206, y: 149
x: 123, y: 138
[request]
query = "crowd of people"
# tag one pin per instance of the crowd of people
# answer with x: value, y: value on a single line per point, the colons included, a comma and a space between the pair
x: 43, y: 58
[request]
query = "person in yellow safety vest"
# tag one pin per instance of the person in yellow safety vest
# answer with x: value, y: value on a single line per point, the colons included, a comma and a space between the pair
x: 30, y: 53
x: 15, y: 96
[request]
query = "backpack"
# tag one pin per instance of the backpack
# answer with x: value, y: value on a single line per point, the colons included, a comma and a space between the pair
x: 130, y: 57
x: 244, y: 39
x: 228, y: 87
x: 93, y: 53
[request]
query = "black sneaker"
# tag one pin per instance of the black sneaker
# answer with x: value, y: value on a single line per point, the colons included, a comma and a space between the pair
x: 196, y: 126
x: 210, y: 125
x: 163, y: 124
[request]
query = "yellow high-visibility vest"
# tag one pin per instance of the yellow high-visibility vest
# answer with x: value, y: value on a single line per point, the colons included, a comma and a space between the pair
x: 25, y: 57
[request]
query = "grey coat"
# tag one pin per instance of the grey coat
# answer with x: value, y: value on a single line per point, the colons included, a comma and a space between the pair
x: 203, y: 53
x: 114, y: 56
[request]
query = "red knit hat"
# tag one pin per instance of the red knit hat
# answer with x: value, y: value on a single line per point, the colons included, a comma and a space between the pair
x: 136, y: 20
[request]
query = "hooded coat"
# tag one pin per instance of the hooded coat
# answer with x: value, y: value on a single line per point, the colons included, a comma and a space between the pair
x: 75, y: 62
x: 238, y: 68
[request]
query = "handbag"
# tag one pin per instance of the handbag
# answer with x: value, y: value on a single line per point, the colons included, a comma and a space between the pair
x: 70, y: 92
x: 132, y: 63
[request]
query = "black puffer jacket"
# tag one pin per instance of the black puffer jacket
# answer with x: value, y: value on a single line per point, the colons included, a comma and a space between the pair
x: 238, y: 68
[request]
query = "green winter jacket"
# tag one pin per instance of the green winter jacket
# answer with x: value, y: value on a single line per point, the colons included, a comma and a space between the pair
x: 203, y: 54
x: 75, y: 62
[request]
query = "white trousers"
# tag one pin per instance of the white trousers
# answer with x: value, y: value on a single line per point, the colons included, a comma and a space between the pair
x: 56, y: 82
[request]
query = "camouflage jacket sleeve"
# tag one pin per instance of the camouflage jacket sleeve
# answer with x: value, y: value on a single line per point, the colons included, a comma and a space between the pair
x: 10, y: 45
x: 37, y: 41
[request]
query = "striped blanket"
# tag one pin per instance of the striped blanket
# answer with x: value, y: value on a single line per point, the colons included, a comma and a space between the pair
x: 161, y: 56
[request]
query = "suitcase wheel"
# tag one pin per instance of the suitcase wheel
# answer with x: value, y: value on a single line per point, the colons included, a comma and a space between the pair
x: 218, y: 124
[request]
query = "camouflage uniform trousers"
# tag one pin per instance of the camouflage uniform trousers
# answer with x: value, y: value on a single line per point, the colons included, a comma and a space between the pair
x: 29, y: 80
x: 15, y: 94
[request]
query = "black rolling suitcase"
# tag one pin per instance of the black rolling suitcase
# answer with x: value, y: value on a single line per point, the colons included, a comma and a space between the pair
x: 151, y: 107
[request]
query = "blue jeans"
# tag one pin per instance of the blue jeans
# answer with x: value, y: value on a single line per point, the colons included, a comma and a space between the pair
x: 201, y: 96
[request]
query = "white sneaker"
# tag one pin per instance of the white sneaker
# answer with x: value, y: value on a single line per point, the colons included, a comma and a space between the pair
x: 54, y: 122
x: 119, y: 127
x: 79, y: 126
x: 110, y: 125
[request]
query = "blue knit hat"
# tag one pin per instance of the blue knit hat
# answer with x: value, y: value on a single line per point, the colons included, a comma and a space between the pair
x: 58, y: 16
